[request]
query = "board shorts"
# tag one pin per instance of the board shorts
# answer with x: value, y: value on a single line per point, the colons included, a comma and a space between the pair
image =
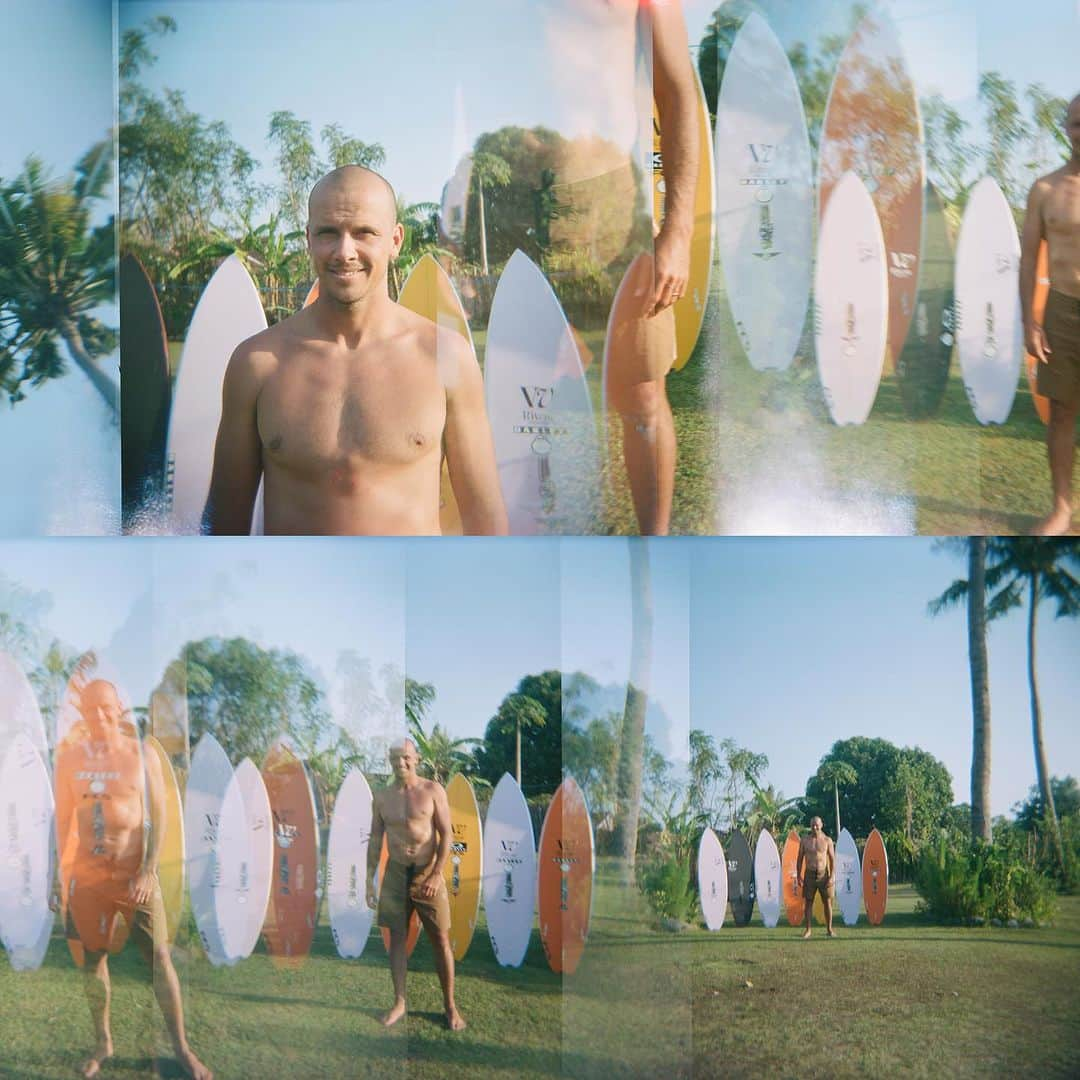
x: 398, y: 899
x: 94, y: 904
x: 1059, y: 378
x: 813, y: 883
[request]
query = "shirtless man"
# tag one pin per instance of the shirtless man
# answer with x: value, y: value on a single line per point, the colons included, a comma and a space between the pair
x: 345, y: 408
x: 1053, y: 215
x: 816, y: 851
x: 108, y: 871
x: 414, y: 816
x: 637, y: 380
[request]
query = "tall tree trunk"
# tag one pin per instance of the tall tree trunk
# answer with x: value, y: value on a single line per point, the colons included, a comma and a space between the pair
x: 980, y: 691
x: 517, y: 752
x: 1041, y: 770
x: 101, y: 382
x: 483, y: 228
x: 632, y: 750
x: 836, y: 796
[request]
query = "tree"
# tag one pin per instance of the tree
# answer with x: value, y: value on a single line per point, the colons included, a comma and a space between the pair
x: 706, y: 770
x: 55, y: 269
x: 770, y: 810
x: 1045, y: 569
x: 491, y: 171
x: 441, y: 755
x: 1032, y: 811
x: 839, y: 774
x: 948, y: 153
x: 743, y: 769
x: 1006, y: 131
x: 519, y: 712
x: 974, y: 590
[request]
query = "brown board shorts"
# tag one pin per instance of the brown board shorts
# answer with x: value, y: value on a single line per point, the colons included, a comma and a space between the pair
x: 93, y: 909
x: 814, y: 882
x: 1059, y: 378
x: 399, y: 897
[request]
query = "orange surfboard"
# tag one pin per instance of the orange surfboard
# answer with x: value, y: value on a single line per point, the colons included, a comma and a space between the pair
x: 875, y: 878
x: 414, y: 919
x: 565, y: 877
x: 1038, y: 310
x: 793, y: 898
x: 294, y: 897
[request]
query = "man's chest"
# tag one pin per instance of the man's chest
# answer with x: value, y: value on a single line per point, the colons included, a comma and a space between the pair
x: 1061, y: 212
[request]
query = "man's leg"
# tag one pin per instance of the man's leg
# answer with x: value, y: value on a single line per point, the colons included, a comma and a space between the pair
x: 827, y: 902
x: 167, y: 992
x: 808, y: 910
x: 1060, y: 442
x: 648, y: 452
x: 98, y: 996
x: 399, y: 959
x: 444, y: 965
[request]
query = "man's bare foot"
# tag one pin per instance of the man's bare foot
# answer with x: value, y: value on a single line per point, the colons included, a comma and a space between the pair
x: 1056, y: 523
x: 394, y: 1015
x: 101, y: 1055
x: 454, y: 1020
x: 806, y: 934
x: 193, y: 1067
x: 831, y: 932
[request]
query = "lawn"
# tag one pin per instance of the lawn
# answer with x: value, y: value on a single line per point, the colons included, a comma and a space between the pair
x: 908, y: 997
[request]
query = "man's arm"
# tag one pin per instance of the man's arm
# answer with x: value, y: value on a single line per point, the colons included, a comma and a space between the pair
x: 470, y: 450
x: 441, y: 815
x: 65, y: 811
x: 374, y: 851
x: 675, y: 91
x: 142, y: 885
x: 832, y: 862
x: 799, y: 862
x: 234, y: 482
x: 1030, y: 239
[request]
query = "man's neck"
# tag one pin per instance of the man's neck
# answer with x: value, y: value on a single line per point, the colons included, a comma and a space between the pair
x: 351, y: 323
x: 406, y: 782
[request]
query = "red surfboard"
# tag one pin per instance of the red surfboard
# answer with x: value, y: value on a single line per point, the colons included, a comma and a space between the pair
x: 794, y: 907
x: 875, y: 878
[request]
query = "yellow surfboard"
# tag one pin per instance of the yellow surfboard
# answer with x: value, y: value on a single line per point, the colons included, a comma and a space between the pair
x: 171, y: 859
x: 690, y: 310
x: 464, y: 868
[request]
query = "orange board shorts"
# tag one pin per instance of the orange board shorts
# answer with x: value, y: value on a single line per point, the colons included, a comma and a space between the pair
x: 399, y: 897
x: 95, y: 904
x: 1059, y: 378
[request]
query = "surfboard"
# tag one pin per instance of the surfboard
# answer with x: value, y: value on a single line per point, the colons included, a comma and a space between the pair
x: 794, y: 905
x: 923, y: 367
x: 232, y: 853
x: 414, y: 920
x: 1038, y: 310
x: 465, y: 867
x: 767, y: 875
x: 764, y: 196
x: 171, y: 850
x: 851, y: 294
x: 145, y: 392
x: 346, y: 866
x: 873, y: 127
x: 690, y: 310
x: 26, y: 864
x: 228, y: 312
x: 169, y: 715
x: 740, y: 866
x: 712, y: 880
x: 564, y: 884
x: 259, y: 826
x: 19, y: 712
x: 429, y: 291
x: 546, y: 445
x: 294, y: 897
x: 509, y: 872
x: 848, y: 878
x: 875, y: 878
x: 207, y: 783
x: 989, y: 327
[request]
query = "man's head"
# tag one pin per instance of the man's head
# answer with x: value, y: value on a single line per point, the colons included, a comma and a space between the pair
x: 1072, y: 124
x: 816, y: 826
x: 101, y: 708
x: 352, y: 233
x: 403, y: 759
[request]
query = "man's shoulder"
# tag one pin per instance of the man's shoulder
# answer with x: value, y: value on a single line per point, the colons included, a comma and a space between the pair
x: 264, y: 350
x: 1045, y: 184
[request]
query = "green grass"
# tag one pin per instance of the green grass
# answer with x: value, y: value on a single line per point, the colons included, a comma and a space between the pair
x: 908, y: 997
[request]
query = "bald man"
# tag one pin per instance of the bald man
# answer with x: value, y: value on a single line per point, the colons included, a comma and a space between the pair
x: 344, y: 410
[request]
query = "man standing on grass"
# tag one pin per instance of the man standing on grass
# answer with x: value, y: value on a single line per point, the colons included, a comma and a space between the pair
x: 414, y: 816
x: 818, y: 854
x: 1053, y: 215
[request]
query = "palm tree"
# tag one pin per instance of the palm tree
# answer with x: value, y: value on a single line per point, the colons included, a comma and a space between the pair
x: 517, y: 712
x: 421, y: 223
x: 974, y: 589
x: 440, y: 754
x: 55, y: 268
x: 743, y: 767
x: 770, y: 810
x: 492, y: 171
x: 839, y: 774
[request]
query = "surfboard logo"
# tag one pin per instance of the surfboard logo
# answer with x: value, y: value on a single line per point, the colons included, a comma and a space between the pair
x: 284, y: 833
x: 508, y: 886
x: 766, y: 233
x: 902, y: 264
x: 990, y: 347
x: 1004, y: 263
x: 538, y: 397
x: 283, y: 874
x: 850, y: 337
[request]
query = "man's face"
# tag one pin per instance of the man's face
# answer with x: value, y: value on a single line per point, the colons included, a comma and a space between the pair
x: 101, y: 709
x: 1072, y: 126
x: 352, y: 236
x: 815, y: 826
x: 403, y: 760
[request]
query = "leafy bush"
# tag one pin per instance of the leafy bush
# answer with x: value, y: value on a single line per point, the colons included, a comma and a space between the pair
x: 983, y: 881
x: 666, y: 883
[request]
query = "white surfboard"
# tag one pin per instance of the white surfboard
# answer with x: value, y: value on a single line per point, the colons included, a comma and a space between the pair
x: 346, y: 866
x: 848, y: 878
x: 989, y: 327
x: 764, y: 196
x: 232, y: 857
x: 546, y: 445
x: 712, y: 879
x: 228, y: 312
x: 259, y: 824
x: 26, y: 844
x: 767, y: 878
x: 509, y: 880
x: 19, y: 712
x: 851, y: 295
x: 207, y: 783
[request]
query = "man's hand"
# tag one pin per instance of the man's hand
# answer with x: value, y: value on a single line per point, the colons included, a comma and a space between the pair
x: 1035, y: 342
x: 428, y: 885
x: 671, y: 267
x: 142, y: 886
x: 372, y: 896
